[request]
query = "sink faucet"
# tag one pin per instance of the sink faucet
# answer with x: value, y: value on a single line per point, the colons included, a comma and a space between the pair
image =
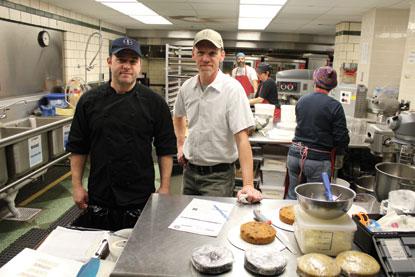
x: 5, y: 108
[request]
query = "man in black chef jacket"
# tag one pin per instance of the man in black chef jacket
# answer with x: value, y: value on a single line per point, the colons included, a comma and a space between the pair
x: 116, y: 125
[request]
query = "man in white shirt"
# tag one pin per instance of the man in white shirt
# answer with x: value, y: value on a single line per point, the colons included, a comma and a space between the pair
x: 246, y: 75
x: 218, y: 116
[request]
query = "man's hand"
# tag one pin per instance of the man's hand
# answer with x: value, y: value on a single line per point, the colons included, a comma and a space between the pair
x: 338, y: 164
x: 181, y: 158
x: 163, y: 190
x: 80, y: 197
x: 252, y: 195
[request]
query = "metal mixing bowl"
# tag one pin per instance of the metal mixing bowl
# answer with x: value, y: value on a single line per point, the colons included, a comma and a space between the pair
x: 311, y: 198
x: 393, y: 176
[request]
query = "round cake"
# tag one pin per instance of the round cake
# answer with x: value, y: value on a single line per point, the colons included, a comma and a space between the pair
x: 317, y: 265
x: 359, y: 264
x: 257, y: 232
x: 286, y: 214
x: 264, y: 261
x: 212, y: 259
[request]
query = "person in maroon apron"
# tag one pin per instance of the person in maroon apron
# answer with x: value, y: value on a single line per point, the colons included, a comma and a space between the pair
x: 267, y: 90
x: 246, y: 75
x: 320, y: 135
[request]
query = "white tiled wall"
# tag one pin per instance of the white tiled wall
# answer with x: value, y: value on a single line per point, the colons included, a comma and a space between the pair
x: 155, y: 69
x: 383, y: 41
x: 75, y: 37
x: 407, y: 81
x: 346, y: 47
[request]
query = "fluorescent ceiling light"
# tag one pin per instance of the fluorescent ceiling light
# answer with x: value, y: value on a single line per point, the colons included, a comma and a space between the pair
x: 255, y: 10
x: 252, y: 23
x: 135, y: 10
x: 257, y: 14
x: 263, y: 2
x: 130, y: 8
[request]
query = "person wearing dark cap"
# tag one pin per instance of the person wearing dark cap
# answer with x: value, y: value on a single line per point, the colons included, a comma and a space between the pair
x: 267, y: 90
x: 320, y: 135
x: 246, y: 75
x: 116, y: 125
x: 218, y: 116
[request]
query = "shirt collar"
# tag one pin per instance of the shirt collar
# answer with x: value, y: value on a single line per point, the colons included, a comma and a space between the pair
x: 217, y: 84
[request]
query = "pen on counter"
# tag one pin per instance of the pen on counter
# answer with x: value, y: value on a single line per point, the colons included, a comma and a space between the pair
x: 220, y: 211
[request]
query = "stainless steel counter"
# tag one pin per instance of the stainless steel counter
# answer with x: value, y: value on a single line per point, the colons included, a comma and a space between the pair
x: 155, y: 250
x: 355, y: 141
x: 257, y: 138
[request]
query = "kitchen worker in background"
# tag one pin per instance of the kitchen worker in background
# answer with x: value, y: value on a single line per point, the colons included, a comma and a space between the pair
x: 320, y: 135
x: 246, y: 75
x: 218, y: 116
x: 116, y: 125
x: 267, y: 89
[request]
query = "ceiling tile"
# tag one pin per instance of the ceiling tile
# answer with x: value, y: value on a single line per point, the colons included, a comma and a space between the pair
x: 305, y: 10
x: 311, y: 3
x: 223, y: 14
x: 288, y: 21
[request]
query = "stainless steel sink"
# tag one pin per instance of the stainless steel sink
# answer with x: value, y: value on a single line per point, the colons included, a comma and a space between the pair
x: 42, y: 139
x: 56, y: 137
x: 5, y: 133
x: 57, y: 140
x: 33, y: 122
x: 29, y: 153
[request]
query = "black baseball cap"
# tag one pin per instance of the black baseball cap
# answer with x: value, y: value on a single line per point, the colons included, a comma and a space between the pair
x: 125, y: 43
x: 264, y: 67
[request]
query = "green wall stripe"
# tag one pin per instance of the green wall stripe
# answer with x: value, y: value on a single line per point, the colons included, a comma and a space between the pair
x: 348, y: 33
x: 38, y: 12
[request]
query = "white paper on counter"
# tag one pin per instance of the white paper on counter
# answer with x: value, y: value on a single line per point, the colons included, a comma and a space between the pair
x: 281, y: 135
x: 203, y: 217
x: 34, y: 263
x: 73, y: 244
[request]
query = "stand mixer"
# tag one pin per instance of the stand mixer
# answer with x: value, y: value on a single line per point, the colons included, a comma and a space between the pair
x: 379, y: 135
x: 393, y: 139
x: 398, y: 175
x: 403, y: 127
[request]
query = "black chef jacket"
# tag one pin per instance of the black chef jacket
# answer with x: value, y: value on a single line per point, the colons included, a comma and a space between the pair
x: 117, y: 131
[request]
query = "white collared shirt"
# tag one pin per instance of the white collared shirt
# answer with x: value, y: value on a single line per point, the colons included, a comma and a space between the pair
x: 214, y: 116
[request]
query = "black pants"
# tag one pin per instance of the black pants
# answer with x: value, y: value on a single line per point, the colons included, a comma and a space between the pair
x: 103, y: 218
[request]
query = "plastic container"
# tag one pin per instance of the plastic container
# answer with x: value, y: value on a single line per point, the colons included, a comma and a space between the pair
x: 57, y: 100
x: 48, y: 110
x: 328, y: 237
x: 266, y: 109
x: 264, y: 112
x: 288, y: 113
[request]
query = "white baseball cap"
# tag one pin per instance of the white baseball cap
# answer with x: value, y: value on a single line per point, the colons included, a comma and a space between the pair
x: 210, y: 35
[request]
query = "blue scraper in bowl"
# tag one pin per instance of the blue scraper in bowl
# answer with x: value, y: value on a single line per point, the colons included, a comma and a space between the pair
x: 327, y: 186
